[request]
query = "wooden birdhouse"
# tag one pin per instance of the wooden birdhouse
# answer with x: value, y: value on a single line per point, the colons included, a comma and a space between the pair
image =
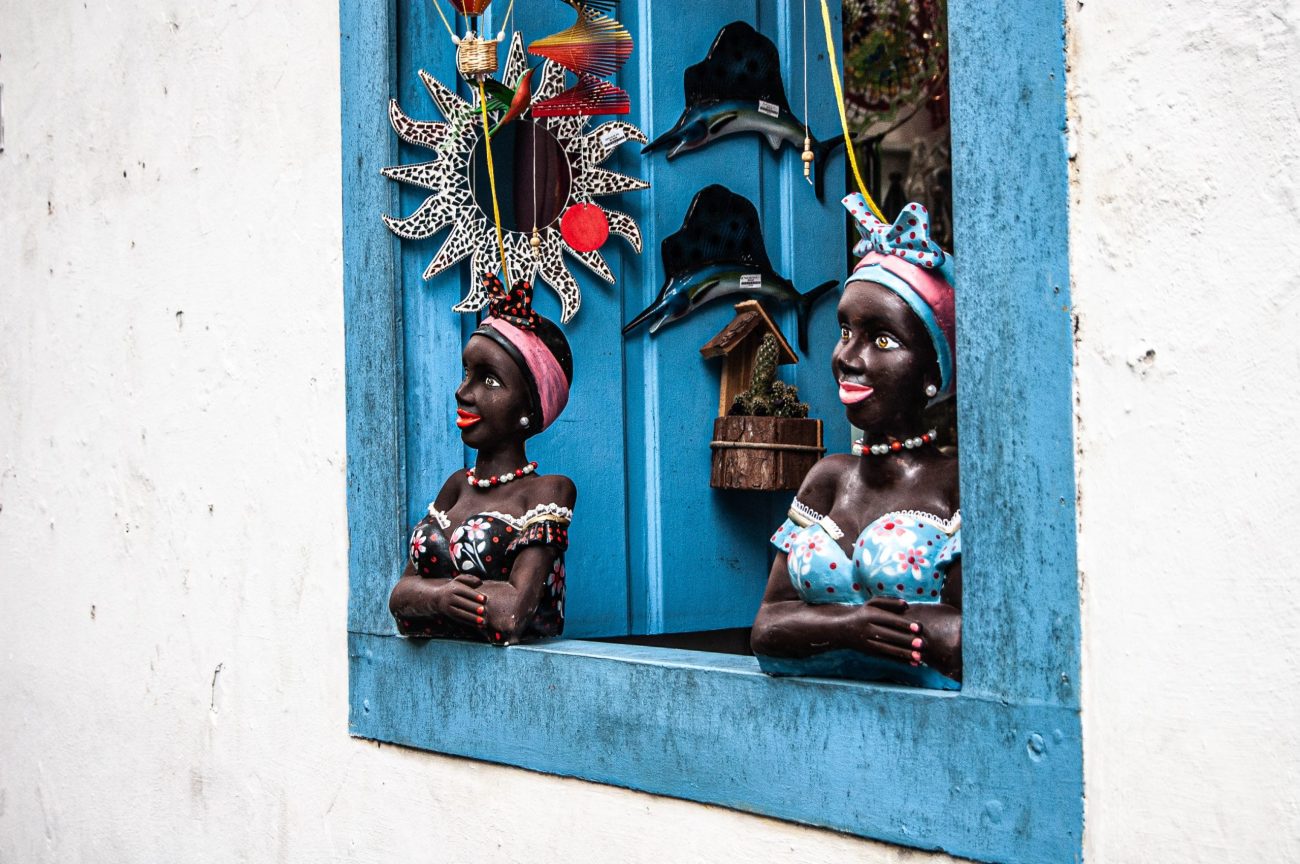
x: 762, y: 437
x: 738, y: 345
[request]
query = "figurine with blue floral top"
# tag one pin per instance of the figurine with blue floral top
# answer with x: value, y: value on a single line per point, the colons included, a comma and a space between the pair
x: 867, y: 578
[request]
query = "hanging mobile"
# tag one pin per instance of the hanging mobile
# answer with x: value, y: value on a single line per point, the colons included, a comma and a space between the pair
x: 844, y: 119
x: 535, y: 241
x: 594, y: 48
x: 475, y: 56
x: 476, y: 60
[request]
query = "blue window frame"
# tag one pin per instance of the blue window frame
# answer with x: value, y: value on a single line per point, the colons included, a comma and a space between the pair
x: 992, y: 772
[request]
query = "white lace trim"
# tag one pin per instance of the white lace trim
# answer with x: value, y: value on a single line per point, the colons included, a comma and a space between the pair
x: 513, y: 521
x: 542, y: 512
x: 441, y: 518
x: 803, y: 515
x: 548, y: 512
x: 947, y: 526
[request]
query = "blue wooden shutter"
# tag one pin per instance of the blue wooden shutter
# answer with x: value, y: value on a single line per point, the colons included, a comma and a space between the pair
x: 653, y: 548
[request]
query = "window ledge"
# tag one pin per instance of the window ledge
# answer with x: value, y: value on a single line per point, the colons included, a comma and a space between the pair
x: 952, y: 771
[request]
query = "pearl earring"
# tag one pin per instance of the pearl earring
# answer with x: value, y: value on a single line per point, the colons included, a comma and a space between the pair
x: 930, y: 390
x: 523, y: 421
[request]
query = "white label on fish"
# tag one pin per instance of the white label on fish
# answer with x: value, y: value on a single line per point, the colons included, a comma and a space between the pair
x: 771, y: 109
x: 612, y: 137
x: 751, y: 280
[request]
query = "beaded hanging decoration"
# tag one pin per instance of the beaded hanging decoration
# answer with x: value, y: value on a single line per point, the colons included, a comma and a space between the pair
x: 536, y: 254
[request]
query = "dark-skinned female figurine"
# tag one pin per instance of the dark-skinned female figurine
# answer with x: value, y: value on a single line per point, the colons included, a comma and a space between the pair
x: 487, y: 563
x: 867, y: 578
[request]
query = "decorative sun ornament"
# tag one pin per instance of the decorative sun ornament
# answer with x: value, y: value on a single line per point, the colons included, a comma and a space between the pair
x: 537, y: 251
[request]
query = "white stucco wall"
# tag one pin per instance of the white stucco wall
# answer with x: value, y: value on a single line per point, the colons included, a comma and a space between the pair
x: 1185, y: 240
x: 172, y: 519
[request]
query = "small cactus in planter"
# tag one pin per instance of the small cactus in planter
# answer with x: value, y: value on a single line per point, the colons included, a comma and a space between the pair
x: 766, y: 396
x: 763, y: 438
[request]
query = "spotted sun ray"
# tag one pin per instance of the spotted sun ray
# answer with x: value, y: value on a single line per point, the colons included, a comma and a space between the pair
x: 516, y: 61
x: 455, y: 138
x: 594, y: 262
x: 415, y: 132
x: 485, y: 258
x: 460, y: 242
x: 452, y: 106
x: 598, y: 181
x: 427, y: 175
x: 555, y: 274
x: 427, y: 220
x: 552, y: 83
x: 624, y: 226
x: 567, y: 128
x: 600, y: 143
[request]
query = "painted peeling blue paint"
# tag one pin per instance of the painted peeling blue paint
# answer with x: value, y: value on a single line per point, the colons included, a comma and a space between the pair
x: 372, y: 324
x: 993, y: 772
x: 1015, y: 349
x: 976, y: 778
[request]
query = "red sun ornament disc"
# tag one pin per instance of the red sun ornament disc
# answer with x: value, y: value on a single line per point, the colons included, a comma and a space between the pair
x: 584, y: 227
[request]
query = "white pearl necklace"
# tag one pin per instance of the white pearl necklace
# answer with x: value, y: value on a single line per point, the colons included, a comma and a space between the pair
x: 861, y: 448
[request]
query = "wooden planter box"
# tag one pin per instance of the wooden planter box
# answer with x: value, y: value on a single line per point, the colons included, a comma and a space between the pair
x: 764, y: 453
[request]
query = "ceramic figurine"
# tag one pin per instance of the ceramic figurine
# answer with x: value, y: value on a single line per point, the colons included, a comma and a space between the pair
x: 867, y: 578
x: 487, y: 563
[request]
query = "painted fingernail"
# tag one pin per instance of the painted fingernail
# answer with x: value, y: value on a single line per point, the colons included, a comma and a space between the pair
x: 915, y: 628
x: 478, y: 621
x: 916, y: 643
x: 914, y: 663
x: 483, y: 599
x: 916, y: 655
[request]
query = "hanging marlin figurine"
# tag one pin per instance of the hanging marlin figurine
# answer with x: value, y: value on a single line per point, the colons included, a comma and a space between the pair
x: 719, y: 252
x: 737, y: 88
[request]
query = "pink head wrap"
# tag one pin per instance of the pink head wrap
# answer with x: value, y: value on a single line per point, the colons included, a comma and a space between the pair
x: 513, y: 324
x: 904, y: 259
x: 541, y: 365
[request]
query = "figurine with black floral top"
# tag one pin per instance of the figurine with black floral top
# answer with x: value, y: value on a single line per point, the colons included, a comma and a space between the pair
x: 487, y: 563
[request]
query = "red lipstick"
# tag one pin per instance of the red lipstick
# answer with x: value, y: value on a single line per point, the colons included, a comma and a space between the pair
x: 465, y: 419
x: 851, y: 393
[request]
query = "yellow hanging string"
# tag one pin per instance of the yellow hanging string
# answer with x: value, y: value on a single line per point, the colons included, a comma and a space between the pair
x: 844, y: 119
x: 492, y: 182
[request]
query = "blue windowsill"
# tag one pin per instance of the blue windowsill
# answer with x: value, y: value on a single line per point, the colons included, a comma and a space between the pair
x: 931, y: 769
